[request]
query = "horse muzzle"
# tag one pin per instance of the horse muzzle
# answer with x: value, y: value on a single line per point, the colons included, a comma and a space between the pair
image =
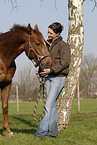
x: 45, y: 63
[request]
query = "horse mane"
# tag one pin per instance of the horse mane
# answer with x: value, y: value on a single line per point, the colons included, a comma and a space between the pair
x: 19, y: 28
x: 13, y: 34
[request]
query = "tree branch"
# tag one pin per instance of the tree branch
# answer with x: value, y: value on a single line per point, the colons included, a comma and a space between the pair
x: 13, y: 3
x: 95, y: 5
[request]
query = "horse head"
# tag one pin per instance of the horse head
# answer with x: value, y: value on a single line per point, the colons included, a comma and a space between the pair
x: 36, y: 48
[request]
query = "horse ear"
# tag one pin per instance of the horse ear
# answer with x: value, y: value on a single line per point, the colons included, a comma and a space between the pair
x: 29, y: 28
x: 36, y: 27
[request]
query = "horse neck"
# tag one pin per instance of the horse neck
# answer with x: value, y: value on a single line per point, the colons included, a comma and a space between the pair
x: 13, y: 47
x: 16, y: 53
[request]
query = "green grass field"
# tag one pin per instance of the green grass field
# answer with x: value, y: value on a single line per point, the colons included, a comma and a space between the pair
x: 82, y: 128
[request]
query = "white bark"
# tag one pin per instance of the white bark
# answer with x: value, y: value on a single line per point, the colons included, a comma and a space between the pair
x: 75, y: 40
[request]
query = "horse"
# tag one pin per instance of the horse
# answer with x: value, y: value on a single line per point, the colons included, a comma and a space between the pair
x: 12, y: 43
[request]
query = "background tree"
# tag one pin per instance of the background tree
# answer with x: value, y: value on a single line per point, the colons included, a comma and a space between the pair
x: 28, y: 85
x: 88, y: 76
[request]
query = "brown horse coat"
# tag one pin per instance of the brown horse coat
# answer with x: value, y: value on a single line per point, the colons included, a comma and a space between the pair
x: 12, y: 44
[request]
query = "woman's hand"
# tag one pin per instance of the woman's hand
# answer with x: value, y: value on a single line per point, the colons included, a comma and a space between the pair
x: 45, y: 72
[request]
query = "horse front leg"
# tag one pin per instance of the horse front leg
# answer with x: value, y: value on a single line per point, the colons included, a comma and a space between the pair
x: 4, y: 94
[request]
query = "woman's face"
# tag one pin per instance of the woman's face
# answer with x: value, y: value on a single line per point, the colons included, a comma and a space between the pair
x: 51, y: 34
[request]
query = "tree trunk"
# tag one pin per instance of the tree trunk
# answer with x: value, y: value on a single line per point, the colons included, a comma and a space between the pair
x: 75, y: 41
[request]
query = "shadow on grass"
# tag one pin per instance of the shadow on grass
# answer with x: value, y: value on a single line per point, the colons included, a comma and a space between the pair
x: 23, y: 119
x: 84, y: 113
x: 24, y: 131
x: 21, y: 122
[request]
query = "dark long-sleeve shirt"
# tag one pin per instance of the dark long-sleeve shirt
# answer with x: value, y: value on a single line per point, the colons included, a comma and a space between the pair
x: 60, y: 54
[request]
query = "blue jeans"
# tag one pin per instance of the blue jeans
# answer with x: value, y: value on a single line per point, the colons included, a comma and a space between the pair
x: 48, y: 125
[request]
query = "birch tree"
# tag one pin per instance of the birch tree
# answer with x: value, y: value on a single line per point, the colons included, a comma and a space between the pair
x: 75, y: 41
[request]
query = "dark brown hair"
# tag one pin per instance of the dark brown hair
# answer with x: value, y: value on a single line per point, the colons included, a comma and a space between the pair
x: 56, y: 27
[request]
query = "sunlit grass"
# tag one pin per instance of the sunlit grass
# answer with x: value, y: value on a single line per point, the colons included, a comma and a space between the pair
x: 82, y: 128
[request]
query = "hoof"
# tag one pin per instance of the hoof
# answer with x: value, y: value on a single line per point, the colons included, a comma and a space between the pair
x: 9, y: 134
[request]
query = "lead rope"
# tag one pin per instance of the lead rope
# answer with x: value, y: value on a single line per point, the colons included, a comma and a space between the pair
x: 42, y: 84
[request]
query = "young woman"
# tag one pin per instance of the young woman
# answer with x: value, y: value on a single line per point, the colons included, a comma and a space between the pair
x: 55, y: 79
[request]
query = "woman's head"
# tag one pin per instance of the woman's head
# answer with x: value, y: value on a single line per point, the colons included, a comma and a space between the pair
x: 54, y: 30
x: 56, y: 27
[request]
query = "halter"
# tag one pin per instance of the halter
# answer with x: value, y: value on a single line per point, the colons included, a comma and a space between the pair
x: 39, y: 58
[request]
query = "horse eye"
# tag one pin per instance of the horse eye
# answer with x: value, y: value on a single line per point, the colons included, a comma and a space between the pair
x: 37, y: 44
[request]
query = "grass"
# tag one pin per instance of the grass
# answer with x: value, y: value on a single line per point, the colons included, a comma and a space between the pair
x: 82, y: 128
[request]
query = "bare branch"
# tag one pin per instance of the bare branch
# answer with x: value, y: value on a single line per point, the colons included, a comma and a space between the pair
x: 55, y: 4
x: 95, y: 4
x: 13, y: 3
x: 41, y: 2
